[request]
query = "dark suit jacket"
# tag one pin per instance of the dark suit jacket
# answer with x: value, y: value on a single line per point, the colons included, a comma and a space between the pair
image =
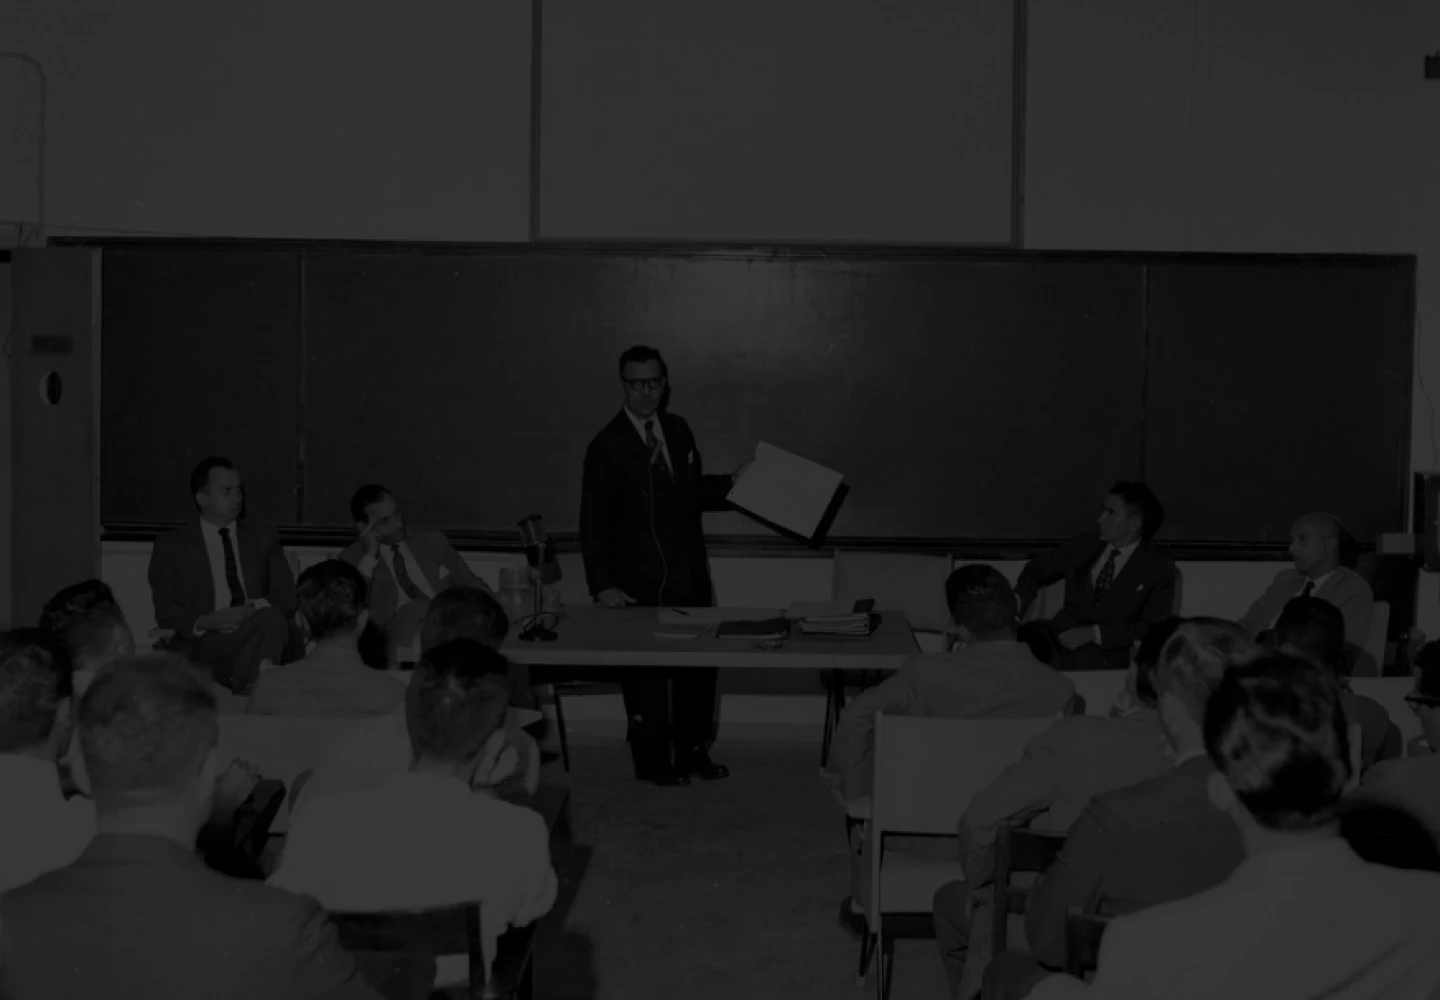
x: 433, y: 552
x: 1142, y: 594
x: 1150, y: 843
x: 140, y: 916
x: 181, y: 584
x: 619, y: 493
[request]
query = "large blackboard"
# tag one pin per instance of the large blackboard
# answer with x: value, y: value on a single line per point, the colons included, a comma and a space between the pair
x: 965, y: 396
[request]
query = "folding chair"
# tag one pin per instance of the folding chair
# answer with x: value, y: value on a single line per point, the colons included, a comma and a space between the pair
x: 926, y: 772
x: 1083, y: 932
x: 446, y: 930
x: 1018, y: 850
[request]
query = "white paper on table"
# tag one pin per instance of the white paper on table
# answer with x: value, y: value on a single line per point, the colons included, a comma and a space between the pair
x: 786, y: 489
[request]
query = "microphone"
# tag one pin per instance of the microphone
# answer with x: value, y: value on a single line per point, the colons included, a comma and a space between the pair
x: 539, y: 550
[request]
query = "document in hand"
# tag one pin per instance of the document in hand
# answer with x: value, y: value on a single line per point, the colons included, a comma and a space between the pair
x: 786, y: 489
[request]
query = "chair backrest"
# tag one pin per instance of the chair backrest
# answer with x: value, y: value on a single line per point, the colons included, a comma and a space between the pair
x: 1083, y: 932
x: 279, y: 746
x: 927, y: 770
x: 1372, y: 654
x: 1018, y: 850
x: 443, y: 930
x: 913, y: 583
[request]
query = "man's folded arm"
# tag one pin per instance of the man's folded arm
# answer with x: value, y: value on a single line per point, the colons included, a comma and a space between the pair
x: 1041, y: 571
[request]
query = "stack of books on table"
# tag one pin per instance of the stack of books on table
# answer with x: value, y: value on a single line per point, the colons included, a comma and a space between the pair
x: 852, y: 618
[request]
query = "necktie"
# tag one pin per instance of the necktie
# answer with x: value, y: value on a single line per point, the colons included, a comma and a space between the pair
x: 1106, y: 577
x: 1309, y: 588
x: 402, y: 575
x: 653, y: 443
x: 232, y: 571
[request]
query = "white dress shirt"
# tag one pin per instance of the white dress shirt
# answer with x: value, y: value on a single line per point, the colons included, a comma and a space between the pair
x: 1318, y: 582
x: 42, y: 830
x: 659, y: 434
x: 417, y: 576
x: 215, y: 548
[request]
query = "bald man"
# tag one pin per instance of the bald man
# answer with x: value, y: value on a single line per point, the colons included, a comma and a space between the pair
x: 1315, y: 549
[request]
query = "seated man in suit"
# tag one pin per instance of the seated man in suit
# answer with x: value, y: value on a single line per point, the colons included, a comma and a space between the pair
x: 1149, y: 843
x: 332, y: 680
x: 375, y: 751
x: 406, y: 567
x: 1315, y: 542
x: 1414, y: 782
x: 1116, y: 586
x: 1302, y: 916
x: 1048, y: 787
x: 427, y: 837
x: 225, y: 590
x: 1313, y: 629
x: 137, y: 914
x: 991, y: 675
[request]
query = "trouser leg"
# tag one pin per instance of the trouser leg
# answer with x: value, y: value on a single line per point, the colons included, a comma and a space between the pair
x: 647, y: 710
x: 952, y: 932
x: 693, y: 699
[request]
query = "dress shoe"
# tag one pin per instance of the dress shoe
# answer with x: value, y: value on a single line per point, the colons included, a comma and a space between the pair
x: 704, y: 768
x: 852, y: 923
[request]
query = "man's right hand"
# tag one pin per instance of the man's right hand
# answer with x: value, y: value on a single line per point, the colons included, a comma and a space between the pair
x: 614, y: 597
x: 371, y: 543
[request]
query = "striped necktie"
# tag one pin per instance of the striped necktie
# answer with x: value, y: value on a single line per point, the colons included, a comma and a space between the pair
x: 1107, y: 576
x: 653, y: 443
x: 402, y: 575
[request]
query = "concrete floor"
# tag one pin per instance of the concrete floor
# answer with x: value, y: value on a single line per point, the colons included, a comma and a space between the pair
x: 724, y: 890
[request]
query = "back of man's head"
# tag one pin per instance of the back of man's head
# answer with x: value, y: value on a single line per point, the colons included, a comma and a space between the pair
x: 464, y: 613
x: 1196, y: 658
x: 86, y: 619
x: 147, y: 725
x: 981, y: 601
x: 1147, y: 657
x: 332, y: 598
x: 1313, y: 629
x: 456, y: 701
x: 1275, y: 730
x: 35, y: 686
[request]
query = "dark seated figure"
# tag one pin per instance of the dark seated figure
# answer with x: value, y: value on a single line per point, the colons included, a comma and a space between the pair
x: 1387, y: 834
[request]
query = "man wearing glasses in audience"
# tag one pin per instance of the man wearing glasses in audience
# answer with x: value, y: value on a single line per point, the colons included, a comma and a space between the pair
x: 644, y: 545
x: 1414, y: 782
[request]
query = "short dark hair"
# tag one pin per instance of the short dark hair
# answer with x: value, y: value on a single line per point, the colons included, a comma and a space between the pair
x: 981, y: 599
x: 1315, y: 628
x: 146, y: 725
x: 1276, y: 731
x: 1138, y: 496
x: 638, y: 355
x: 1195, y: 659
x: 200, y: 475
x: 456, y: 700
x: 364, y: 497
x: 35, y: 677
x: 464, y: 613
x: 82, y: 617
x: 1147, y: 657
x: 332, y: 596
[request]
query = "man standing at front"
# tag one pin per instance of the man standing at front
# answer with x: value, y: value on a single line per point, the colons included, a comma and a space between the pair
x: 644, y: 544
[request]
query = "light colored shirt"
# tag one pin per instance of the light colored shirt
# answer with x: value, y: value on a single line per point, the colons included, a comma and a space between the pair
x: 422, y: 841
x: 215, y: 549
x: 1316, y: 584
x: 41, y: 830
x: 417, y: 576
x: 654, y: 422
x: 1121, y: 558
x: 331, y: 681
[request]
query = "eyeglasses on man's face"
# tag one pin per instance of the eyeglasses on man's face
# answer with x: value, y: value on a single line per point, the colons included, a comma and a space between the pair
x: 642, y: 384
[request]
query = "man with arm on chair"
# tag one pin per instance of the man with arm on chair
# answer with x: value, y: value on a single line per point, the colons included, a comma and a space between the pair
x: 1116, y: 586
x: 1302, y: 916
x: 1315, y: 545
x: 991, y: 675
x: 137, y: 914
x: 224, y: 589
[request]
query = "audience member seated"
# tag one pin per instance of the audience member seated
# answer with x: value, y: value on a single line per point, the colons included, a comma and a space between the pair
x: 1414, y: 782
x: 1315, y: 544
x: 1313, y: 629
x: 1052, y: 783
x: 1302, y: 916
x: 333, y: 679
x: 87, y: 621
x: 43, y: 830
x: 377, y: 750
x: 406, y: 567
x: 138, y: 914
x: 990, y: 675
x: 224, y: 589
x: 1156, y: 841
x: 1116, y: 586
x: 432, y: 836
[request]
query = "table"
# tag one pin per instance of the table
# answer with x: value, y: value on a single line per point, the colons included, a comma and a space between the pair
x: 595, y: 636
